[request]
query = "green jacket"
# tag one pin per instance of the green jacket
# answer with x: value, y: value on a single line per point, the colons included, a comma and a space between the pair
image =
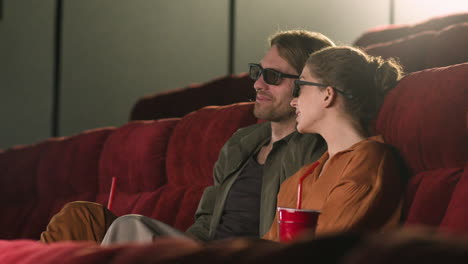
x: 287, y: 156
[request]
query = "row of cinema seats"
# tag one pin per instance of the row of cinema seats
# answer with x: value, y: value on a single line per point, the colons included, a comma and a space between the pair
x: 163, y: 165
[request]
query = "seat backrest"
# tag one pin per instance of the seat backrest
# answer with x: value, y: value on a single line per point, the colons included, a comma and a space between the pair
x: 136, y: 155
x: 37, y: 180
x: 449, y: 46
x: 388, y: 33
x: 163, y: 166
x: 225, y: 90
x: 427, y: 49
x: 425, y: 118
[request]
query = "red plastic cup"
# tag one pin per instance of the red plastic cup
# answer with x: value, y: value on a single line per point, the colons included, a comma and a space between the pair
x: 293, y: 222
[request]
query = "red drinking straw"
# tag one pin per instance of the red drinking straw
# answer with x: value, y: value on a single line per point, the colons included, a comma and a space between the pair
x: 299, y: 185
x: 111, y: 194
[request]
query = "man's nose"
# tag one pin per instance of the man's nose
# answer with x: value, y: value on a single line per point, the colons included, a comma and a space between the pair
x: 260, y: 83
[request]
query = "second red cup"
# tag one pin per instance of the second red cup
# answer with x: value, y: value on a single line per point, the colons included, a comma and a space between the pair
x: 293, y: 222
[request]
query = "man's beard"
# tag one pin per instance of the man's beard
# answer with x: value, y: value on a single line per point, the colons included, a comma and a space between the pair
x: 273, y: 114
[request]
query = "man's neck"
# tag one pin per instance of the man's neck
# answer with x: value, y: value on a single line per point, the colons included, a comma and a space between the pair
x: 279, y: 130
x: 282, y: 129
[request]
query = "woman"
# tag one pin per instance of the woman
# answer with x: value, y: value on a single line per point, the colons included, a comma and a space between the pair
x: 357, y: 184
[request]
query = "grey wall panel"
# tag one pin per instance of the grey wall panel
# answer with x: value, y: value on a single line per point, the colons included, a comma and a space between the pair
x: 342, y: 21
x: 118, y: 50
x: 26, y: 65
x: 407, y: 12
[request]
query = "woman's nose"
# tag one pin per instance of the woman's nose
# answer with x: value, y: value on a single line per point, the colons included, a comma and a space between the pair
x: 294, y: 102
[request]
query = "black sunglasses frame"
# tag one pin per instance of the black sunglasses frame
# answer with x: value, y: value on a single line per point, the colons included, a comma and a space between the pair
x: 278, y: 75
x: 298, y: 83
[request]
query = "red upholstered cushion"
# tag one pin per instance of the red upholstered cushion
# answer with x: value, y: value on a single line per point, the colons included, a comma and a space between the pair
x: 45, y: 177
x: 449, y: 46
x: 456, y: 216
x: 429, y: 194
x: 32, y: 252
x: 410, y: 51
x: 427, y: 49
x: 18, y: 193
x: 177, y: 103
x: 380, y: 34
x: 406, y: 246
x: 425, y: 118
x: 136, y: 155
x: 28, y: 252
x: 391, y: 32
x: 18, y: 170
x: 68, y: 171
x: 176, y: 205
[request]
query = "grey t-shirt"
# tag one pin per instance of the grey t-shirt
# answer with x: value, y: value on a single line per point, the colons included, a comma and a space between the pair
x: 241, y: 214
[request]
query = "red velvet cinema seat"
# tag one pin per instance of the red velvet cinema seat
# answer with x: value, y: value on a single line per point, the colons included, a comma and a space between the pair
x: 425, y: 118
x: 389, y: 33
x: 36, y: 180
x: 427, y: 49
x: 161, y: 167
x: 224, y: 90
x: 166, y: 182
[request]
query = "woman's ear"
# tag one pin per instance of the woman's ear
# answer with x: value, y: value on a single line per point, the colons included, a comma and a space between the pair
x: 329, y: 96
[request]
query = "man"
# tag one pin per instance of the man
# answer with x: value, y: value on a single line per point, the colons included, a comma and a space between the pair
x: 249, y: 170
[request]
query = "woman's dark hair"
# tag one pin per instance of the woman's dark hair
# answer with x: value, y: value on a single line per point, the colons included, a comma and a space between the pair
x: 366, y: 78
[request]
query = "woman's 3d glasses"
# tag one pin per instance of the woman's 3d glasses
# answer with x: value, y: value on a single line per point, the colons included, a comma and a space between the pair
x: 299, y: 83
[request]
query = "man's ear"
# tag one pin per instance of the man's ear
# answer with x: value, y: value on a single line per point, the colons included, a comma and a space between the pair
x: 329, y: 96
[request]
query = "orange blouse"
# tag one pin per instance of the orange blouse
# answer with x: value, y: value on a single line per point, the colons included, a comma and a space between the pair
x: 360, y: 189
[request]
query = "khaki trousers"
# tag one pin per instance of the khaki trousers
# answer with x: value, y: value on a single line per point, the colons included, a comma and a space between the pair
x: 139, y: 229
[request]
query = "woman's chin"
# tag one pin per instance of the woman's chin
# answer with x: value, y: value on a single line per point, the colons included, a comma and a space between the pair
x: 304, y: 130
x: 300, y: 129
